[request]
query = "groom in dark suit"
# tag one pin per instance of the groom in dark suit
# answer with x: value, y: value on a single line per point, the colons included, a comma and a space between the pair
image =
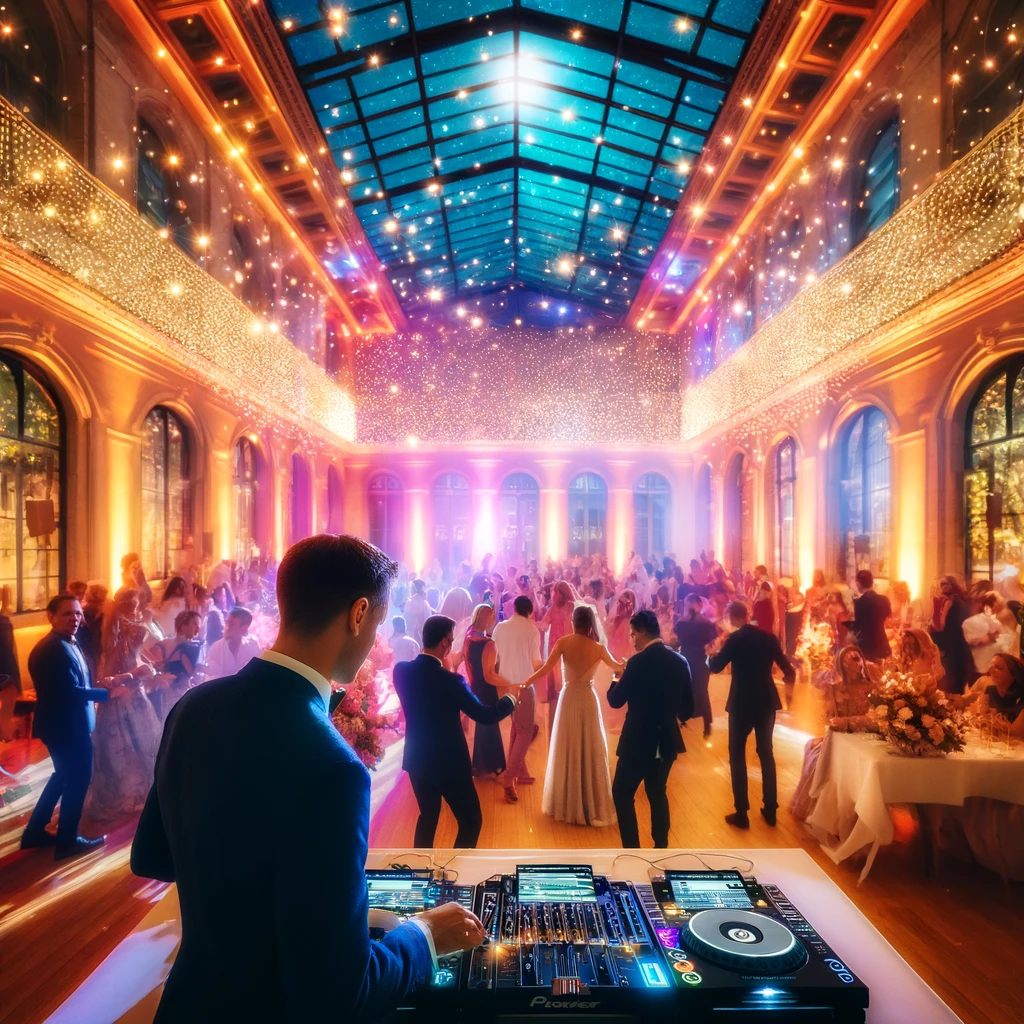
x: 64, y: 721
x: 269, y: 864
x: 656, y: 686
x: 436, y: 755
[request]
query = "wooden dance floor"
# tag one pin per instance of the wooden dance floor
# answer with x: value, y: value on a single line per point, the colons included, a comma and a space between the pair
x: 961, y: 931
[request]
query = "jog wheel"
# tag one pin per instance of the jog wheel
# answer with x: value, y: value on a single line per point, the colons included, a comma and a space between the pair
x: 740, y: 940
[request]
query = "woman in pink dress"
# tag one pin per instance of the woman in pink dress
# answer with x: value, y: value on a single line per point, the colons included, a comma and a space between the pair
x: 557, y: 621
x: 619, y: 642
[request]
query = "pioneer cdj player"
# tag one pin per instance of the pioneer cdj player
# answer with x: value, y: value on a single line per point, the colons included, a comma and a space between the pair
x: 699, y: 945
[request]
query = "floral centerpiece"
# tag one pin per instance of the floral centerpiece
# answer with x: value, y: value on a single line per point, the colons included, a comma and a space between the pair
x: 359, y: 717
x: 915, y: 723
x: 815, y: 648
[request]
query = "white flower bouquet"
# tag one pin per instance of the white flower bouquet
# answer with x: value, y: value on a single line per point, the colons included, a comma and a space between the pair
x: 915, y: 723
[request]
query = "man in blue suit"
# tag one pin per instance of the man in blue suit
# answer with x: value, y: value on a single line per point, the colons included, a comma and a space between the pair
x: 64, y: 721
x: 269, y: 864
x: 436, y: 756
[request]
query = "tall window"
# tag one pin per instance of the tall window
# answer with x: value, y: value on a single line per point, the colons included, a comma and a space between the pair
x: 385, y: 500
x: 880, y: 185
x: 652, y: 498
x: 452, y: 515
x: 166, y: 494
x: 519, y: 505
x: 245, y: 477
x: 302, y: 499
x: 335, y: 500
x: 864, y: 511
x: 739, y: 519
x: 31, y: 478
x: 994, y: 478
x: 588, y: 513
x: 160, y: 195
x: 30, y: 66
x: 785, y: 507
x: 703, y: 539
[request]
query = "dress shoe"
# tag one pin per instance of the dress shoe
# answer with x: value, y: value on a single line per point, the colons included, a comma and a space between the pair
x: 737, y: 819
x: 37, y: 840
x: 79, y: 846
x: 768, y: 816
x: 511, y: 795
x: 707, y: 731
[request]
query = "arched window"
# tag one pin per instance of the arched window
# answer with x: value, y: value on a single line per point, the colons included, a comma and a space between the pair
x: 452, y: 515
x: 166, y: 494
x: 702, y: 535
x: 385, y: 499
x: 31, y: 487
x: 588, y: 513
x: 302, y: 499
x: 880, y: 183
x: 994, y: 477
x: 159, y: 192
x: 739, y: 520
x: 245, y: 478
x: 519, y: 508
x: 31, y: 67
x: 864, y: 512
x: 785, y: 508
x: 652, y: 498
x: 335, y: 501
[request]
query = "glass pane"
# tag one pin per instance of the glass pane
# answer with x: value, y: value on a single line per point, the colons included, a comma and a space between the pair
x: 9, y: 460
x: 8, y: 402
x: 1017, y: 407
x: 41, y: 420
x: 179, y: 504
x: 989, y: 420
x: 40, y: 560
x: 154, y: 496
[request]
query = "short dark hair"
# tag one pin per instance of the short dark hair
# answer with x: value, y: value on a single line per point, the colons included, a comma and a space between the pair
x: 645, y: 621
x: 763, y: 569
x: 523, y: 605
x: 398, y: 623
x: 865, y: 579
x: 738, y: 610
x: 182, y: 619
x: 435, y: 629
x: 243, y: 615
x: 694, y: 598
x: 321, y: 578
x: 55, y: 602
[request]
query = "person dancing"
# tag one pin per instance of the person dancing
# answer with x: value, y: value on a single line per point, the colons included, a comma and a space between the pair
x: 480, y: 655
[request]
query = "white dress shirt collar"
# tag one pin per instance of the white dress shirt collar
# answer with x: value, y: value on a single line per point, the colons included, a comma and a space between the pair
x: 322, y: 685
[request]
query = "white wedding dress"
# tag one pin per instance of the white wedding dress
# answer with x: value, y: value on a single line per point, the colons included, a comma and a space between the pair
x: 578, y: 785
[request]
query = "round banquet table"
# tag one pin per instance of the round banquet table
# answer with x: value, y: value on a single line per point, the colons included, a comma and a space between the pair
x: 859, y: 775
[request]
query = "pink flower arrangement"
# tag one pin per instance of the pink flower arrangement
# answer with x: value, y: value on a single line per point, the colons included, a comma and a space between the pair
x: 358, y: 717
x: 919, y: 724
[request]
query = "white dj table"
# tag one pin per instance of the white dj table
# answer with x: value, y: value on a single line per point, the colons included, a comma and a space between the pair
x: 126, y: 987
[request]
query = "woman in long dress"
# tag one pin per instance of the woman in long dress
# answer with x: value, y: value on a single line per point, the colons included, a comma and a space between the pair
x: 578, y: 785
x: 619, y: 642
x: 557, y: 620
x: 480, y: 656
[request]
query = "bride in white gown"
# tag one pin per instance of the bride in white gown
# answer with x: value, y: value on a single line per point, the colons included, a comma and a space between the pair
x: 578, y: 785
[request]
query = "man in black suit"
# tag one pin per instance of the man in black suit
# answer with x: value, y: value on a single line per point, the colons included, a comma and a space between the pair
x: 870, y: 612
x: 751, y: 706
x: 436, y: 755
x: 64, y: 721
x: 269, y: 866
x: 656, y: 686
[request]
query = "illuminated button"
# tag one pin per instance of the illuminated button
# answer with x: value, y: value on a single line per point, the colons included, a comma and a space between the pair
x: 692, y: 978
x: 683, y: 966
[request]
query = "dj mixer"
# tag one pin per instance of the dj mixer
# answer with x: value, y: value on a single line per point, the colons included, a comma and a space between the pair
x: 687, y: 945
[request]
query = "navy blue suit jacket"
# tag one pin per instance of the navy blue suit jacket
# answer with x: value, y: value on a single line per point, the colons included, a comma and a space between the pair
x: 752, y: 652
x: 657, y: 687
x: 432, y: 697
x: 64, y: 692
x: 259, y: 813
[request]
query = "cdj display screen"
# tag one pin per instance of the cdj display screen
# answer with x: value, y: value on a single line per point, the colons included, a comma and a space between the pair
x: 555, y: 883
x: 708, y: 890
x: 398, y: 892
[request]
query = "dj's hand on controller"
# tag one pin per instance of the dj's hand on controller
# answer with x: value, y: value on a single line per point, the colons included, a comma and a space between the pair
x: 452, y: 928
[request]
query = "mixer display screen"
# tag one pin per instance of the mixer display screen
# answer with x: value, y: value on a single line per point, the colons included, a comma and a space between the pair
x: 555, y: 883
x: 708, y: 890
x: 397, y: 892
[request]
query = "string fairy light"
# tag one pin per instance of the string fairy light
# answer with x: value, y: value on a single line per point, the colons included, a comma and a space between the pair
x: 52, y: 209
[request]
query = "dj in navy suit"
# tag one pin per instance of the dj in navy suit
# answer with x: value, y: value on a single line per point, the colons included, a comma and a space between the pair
x: 64, y: 721
x: 260, y: 814
x: 436, y: 756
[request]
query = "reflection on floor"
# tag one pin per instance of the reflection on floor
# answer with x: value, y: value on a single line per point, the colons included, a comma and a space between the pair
x: 960, y: 931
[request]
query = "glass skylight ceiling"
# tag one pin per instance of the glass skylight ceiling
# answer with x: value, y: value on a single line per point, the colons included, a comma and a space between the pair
x: 540, y: 141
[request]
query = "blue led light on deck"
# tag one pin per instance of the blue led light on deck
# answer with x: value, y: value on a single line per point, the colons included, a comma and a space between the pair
x: 767, y: 993
x: 653, y: 975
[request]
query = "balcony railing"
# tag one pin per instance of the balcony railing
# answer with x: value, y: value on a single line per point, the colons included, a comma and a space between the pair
x: 55, y: 211
x: 966, y: 219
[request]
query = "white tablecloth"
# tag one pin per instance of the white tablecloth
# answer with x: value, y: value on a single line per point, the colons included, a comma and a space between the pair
x: 858, y: 776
